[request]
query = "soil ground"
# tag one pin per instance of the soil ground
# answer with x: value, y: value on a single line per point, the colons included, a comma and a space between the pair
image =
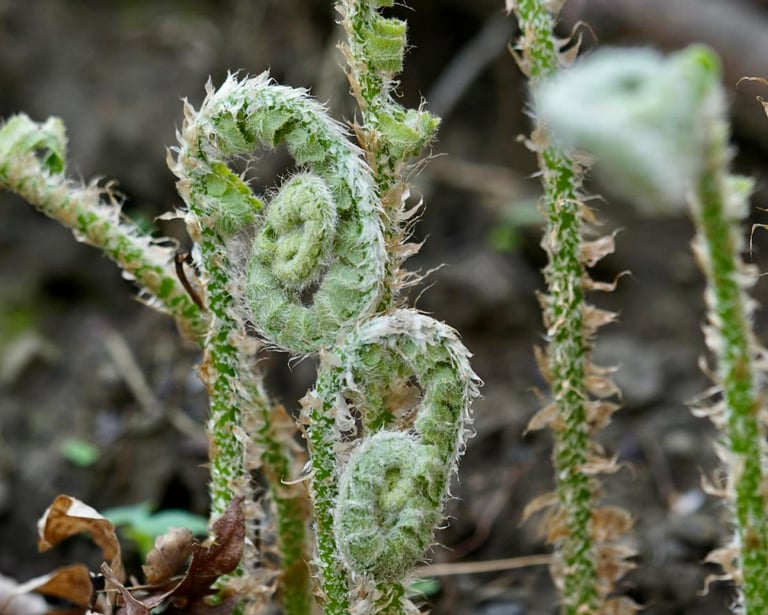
x: 79, y: 359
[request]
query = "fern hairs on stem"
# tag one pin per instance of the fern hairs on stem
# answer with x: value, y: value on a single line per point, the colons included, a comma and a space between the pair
x: 587, y: 559
x: 675, y: 108
x: 390, y: 134
x: 321, y: 230
x: 385, y: 501
x: 32, y: 164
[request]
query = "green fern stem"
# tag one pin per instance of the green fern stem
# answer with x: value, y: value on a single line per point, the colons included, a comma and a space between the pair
x: 568, y: 358
x: 568, y: 343
x: 291, y: 503
x: 735, y: 348
x: 219, y: 372
x: 206, y: 202
x: 321, y: 438
x: 32, y: 164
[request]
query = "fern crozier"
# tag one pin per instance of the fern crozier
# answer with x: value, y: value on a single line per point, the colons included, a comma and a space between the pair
x: 320, y: 232
x: 392, y: 488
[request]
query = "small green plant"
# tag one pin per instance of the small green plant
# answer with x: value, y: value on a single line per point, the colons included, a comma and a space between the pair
x: 141, y: 525
x: 315, y: 269
x: 79, y: 452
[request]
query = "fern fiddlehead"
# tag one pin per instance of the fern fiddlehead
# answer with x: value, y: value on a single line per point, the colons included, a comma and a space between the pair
x: 414, y: 466
x: 319, y: 233
x: 322, y: 228
x: 387, y: 494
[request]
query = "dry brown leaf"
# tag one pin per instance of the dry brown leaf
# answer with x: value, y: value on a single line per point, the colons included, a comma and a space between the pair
x: 593, y: 251
x: 602, y: 386
x: 198, y: 607
x: 219, y: 555
x: 542, y: 418
x: 170, y: 553
x: 612, y: 563
x: 621, y: 605
x: 726, y: 557
x: 597, y: 464
x: 542, y: 361
x: 70, y: 583
x: 710, y: 488
x: 585, y: 211
x: 599, y: 414
x: 68, y: 516
x: 606, y: 287
x: 762, y: 80
x: 610, y: 522
x: 131, y: 605
x: 760, y: 99
x: 539, y: 503
x: 556, y: 527
x: 594, y: 317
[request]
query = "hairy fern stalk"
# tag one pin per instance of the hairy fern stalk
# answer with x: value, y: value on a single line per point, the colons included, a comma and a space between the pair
x: 588, y: 559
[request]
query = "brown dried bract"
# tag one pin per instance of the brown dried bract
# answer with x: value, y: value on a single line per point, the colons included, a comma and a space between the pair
x: 169, y: 554
x: 219, y: 555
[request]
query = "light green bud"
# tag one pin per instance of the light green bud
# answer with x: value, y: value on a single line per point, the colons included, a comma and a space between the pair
x: 642, y: 115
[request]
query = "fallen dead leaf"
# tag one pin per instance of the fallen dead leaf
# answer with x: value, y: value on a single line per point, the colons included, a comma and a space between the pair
x: 169, y: 554
x: 67, y: 517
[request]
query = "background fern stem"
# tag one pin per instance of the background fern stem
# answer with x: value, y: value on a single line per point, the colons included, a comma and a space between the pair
x: 735, y: 350
x: 295, y: 578
x: 291, y: 507
x: 32, y: 165
x: 568, y: 343
x: 322, y: 442
x: 568, y: 357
